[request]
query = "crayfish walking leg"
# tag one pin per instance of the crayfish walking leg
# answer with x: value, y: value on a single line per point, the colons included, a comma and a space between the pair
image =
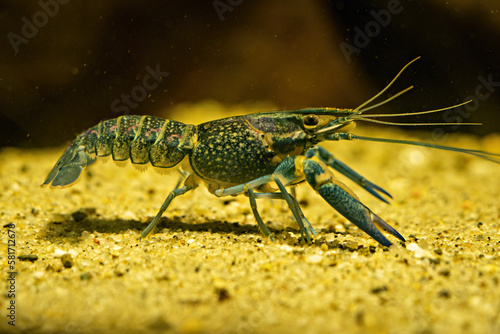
x: 173, y: 194
x: 305, y: 227
x: 253, y: 205
x: 298, y: 168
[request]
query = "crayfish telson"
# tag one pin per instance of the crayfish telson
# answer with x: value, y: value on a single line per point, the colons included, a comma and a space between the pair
x: 249, y: 155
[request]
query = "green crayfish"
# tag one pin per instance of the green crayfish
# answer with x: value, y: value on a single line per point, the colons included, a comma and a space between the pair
x: 258, y: 155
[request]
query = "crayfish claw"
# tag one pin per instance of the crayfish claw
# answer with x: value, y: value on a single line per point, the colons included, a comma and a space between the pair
x: 386, y: 227
x: 339, y: 197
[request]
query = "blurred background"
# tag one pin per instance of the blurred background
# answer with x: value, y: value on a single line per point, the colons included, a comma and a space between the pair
x: 66, y: 65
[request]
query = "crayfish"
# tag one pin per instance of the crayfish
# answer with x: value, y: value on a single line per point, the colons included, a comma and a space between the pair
x: 258, y: 155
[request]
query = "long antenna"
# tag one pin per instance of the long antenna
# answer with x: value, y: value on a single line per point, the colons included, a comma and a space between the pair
x: 383, y: 102
x: 494, y: 157
x: 415, y: 112
x: 368, y: 118
x: 357, y: 110
x: 409, y: 124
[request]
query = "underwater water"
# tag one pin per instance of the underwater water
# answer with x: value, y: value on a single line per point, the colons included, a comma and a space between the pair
x: 78, y: 261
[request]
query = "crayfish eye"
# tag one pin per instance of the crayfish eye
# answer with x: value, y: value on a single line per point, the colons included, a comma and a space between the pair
x: 311, y: 120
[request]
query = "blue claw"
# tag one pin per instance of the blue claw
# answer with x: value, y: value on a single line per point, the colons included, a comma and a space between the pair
x: 352, y: 209
x: 386, y: 227
x: 346, y: 204
x: 369, y: 186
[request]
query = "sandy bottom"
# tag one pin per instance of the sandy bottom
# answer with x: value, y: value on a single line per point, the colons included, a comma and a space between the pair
x: 208, y: 268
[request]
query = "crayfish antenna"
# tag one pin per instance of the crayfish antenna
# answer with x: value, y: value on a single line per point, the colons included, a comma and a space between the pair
x: 368, y: 118
x: 493, y: 157
x: 359, y: 109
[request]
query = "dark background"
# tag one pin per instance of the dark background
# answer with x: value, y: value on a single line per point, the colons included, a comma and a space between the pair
x: 64, y: 79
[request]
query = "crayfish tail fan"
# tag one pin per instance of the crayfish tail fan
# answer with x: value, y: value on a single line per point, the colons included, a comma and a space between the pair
x: 68, y: 169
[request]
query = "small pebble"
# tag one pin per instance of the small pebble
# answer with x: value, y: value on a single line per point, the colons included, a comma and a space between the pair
x: 117, y: 237
x: 28, y: 257
x: 67, y: 261
x: 438, y: 251
x: 38, y: 275
x: 118, y: 272
x: 85, y: 235
x: 72, y: 252
x: 79, y: 215
x: 59, y: 252
x: 444, y: 294
x: 223, y: 294
x: 379, y: 289
x: 444, y: 272
x: 351, y: 245
x: 58, y: 218
x: 86, y: 276
x: 286, y: 248
x: 316, y: 258
x: 418, y: 252
x: 57, y: 267
x: 479, y: 237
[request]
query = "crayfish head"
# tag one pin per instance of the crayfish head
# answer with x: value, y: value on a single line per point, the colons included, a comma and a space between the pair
x: 318, y: 125
x: 291, y: 133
